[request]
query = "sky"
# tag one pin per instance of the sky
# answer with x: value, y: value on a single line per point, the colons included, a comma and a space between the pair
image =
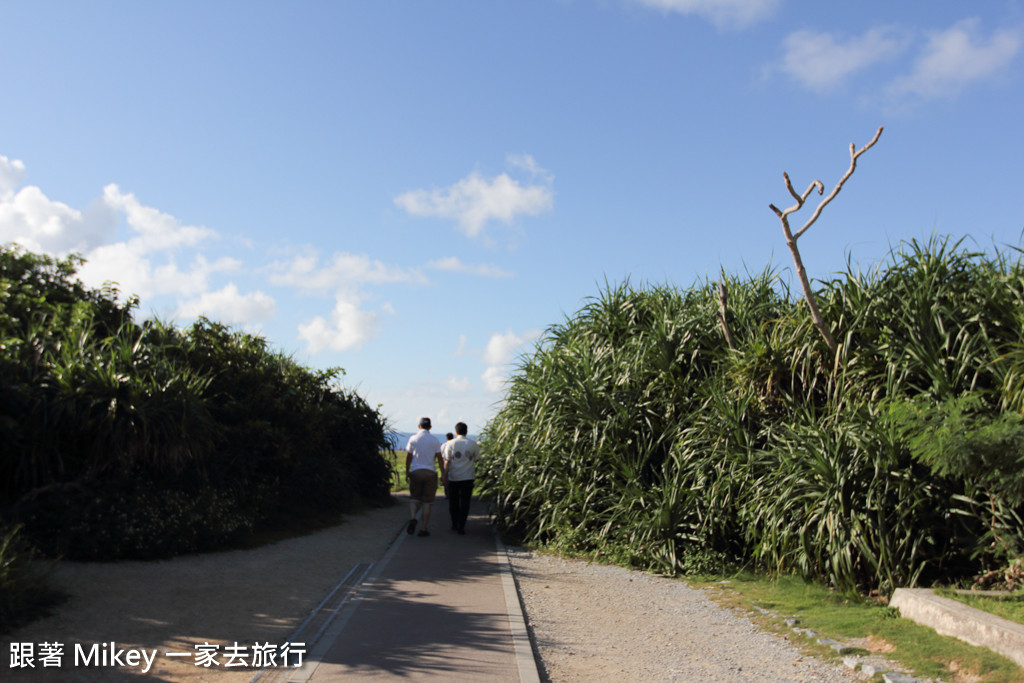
x: 414, y: 191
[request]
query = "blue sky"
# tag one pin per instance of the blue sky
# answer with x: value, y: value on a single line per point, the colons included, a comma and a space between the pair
x: 414, y: 190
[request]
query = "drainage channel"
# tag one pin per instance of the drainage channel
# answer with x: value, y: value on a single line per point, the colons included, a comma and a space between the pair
x: 311, y: 630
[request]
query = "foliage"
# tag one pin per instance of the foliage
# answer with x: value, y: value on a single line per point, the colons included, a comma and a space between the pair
x: 632, y: 430
x: 126, y: 439
x: 23, y: 591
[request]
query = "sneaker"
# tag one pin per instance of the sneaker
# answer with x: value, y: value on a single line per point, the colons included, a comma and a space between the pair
x: 423, y: 532
x: 411, y: 527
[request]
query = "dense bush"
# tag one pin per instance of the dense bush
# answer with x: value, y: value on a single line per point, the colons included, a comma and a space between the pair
x: 634, y: 430
x: 125, y: 439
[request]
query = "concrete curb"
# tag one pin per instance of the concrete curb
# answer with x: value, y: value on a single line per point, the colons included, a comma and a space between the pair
x: 525, y: 660
x: 952, y: 618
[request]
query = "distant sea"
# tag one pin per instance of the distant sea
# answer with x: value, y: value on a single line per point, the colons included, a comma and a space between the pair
x: 399, y: 439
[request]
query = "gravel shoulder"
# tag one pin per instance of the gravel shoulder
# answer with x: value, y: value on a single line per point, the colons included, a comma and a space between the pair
x: 591, y: 621
x: 588, y: 621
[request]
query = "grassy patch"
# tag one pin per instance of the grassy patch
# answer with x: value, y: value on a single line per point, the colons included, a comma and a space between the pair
x: 1006, y: 606
x: 873, y: 626
x: 398, y: 481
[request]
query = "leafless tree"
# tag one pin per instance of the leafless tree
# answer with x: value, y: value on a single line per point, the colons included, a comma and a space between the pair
x: 792, y: 237
x: 723, y: 310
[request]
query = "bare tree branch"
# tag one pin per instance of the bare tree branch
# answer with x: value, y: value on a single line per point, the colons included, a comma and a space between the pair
x: 791, y: 238
x: 842, y: 181
x: 722, y: 310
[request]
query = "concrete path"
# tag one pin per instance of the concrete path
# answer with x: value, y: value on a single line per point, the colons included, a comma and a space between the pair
x: 436, y: 608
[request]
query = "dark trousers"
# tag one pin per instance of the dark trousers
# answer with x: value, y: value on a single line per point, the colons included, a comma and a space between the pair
x: 459, y: 493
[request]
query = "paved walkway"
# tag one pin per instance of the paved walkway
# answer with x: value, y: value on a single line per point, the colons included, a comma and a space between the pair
x: 436, y: 608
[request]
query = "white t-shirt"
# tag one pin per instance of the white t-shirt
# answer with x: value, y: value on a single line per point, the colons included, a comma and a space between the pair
x: 423, y: 446
x: 461, y: 455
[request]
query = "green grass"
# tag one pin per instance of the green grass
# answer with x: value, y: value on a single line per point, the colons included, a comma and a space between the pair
x: 842, y: 618
x: 398, y: 481
x: 1006, y: 606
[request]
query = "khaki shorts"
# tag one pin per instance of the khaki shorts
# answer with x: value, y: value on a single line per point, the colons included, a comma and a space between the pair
x: 423, y: 485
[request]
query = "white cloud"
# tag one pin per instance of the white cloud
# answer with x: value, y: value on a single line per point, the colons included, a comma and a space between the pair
x: 157, y: 231
x: 11, y: 173
x: 500, y: 351
x: 722, y: 13
x: 349, y: 325
x: 128, y: 265
x: 527, y: 163
x: 343, y: 270
x: 821, y: 61
x: 41, y: 224
x: 229, y: 306
x: 501, y: 347
x: 348, y: 329
x: 458, y: 385
x: 475, y: 201
x: 494, y: 379
x: 957, y: 57
x: 453, y: 264
x: 461, y: 348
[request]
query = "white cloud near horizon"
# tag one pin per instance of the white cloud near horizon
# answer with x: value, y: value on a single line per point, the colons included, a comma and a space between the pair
x: 230, y: 306
x: 821, y: 61
x: 460, y: 385
x: 499, y: 353
x: 343, y: 274
x: 128, y: 266
x: 722, y: 13
x: 12, y: 171
x: 475, y: 201
x: 957, y: 57
x: 453, y: 264
x: 142, y: 262
x: 157, y: 231
x: 342, y: 269
x: 40, y: 224
x: 348, y: 328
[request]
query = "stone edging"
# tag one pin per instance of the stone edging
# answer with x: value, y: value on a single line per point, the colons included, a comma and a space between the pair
x: 952, y: 618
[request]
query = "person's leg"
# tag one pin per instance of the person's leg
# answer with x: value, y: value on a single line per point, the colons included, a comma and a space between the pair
x: 414, y: 507
x: 429, y: 493
x: 452, y: 489
x: 465, y: 495
x: 416, y: 492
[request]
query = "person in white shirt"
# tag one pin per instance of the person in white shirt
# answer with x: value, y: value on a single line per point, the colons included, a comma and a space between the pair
x: 459, y: 470
x: 422, y: 451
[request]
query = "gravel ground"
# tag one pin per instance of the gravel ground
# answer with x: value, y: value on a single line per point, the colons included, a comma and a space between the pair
x: 592, y: 621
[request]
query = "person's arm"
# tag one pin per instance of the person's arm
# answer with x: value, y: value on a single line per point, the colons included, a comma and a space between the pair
x: 443, y: 466
x: 408, y: 463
